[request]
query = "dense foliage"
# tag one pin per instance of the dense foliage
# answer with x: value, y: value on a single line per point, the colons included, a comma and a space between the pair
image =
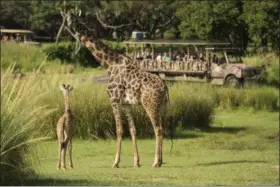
x: 240, y: 21
x: 65, y: 52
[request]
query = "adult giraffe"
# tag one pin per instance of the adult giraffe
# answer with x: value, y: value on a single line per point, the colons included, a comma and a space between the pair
x: 128, y: 85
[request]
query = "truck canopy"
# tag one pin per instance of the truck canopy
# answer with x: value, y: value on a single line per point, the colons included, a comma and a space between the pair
x: 177, y: 42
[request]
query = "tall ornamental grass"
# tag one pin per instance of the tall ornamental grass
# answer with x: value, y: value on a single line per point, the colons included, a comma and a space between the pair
x: 257, y: 98
x: 271, y: 63
x: 191, y: 105
x: 22, y: 123
x: 93, y: 113
x: 27, y: 57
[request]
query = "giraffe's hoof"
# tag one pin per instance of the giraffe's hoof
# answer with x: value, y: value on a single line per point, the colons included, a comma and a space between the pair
x: 156, y: 165
x: 71, y: 166
x: 63, y: 168
x: 115, y: 166
x: 58, y: 168
x: 136, y: 166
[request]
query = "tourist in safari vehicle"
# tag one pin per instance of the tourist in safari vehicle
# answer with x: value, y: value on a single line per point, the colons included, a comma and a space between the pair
x: 211, y: 62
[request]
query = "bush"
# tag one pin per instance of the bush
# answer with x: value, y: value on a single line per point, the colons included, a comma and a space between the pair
x: 271, y: 62
x: 170, y: 34
x: 191, y: 105
x: 27, y: 58
x: 65, y: 52
x: 22, y: 123
x: 118, y: 46
x: 93, y: 113
x: 258, y: 98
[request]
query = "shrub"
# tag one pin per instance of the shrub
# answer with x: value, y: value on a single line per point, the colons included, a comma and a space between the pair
x: 27, y: 58
x: 65, y: 52
x: 271, y: 62
x: 118, y: 46
x: 191, y: 105
x: 22, y: 123
x: 170, y: 34
x: 94, y: 116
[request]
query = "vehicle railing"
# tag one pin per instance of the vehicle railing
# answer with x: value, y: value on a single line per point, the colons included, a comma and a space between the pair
x: 178, y: 65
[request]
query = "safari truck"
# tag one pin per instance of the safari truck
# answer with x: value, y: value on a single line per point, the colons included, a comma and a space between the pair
x: 18, y: 36
x: 211, y: 62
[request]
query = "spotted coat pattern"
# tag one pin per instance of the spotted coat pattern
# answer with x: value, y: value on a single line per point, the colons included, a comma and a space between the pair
x: 129, y: 85
x: 65, y: 130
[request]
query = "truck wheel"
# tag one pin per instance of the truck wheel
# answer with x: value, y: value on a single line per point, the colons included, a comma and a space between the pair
x: 232, y: 81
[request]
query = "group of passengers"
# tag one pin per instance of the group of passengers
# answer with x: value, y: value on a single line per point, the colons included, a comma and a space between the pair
x: 176, y: 61
x: 11, y: 38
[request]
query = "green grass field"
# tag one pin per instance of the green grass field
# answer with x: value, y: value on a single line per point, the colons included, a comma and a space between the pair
x: 240, y: 149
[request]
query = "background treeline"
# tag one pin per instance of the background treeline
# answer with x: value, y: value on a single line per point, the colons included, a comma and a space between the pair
x: 238, y: 21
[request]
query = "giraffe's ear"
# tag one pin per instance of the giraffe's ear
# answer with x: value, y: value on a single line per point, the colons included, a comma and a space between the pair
x: 62, y: 88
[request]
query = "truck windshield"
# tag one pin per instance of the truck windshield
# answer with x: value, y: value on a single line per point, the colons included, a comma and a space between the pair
x: 234, y: 58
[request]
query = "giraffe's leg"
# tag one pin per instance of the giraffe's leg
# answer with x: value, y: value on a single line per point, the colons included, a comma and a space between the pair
x: 163, y: 126
x: 70, y: 154
x: 132, y: 130
x: 160, y: 139
x: 158, y: 151
x: 59, y: 155
x: 119, y: 128
x: 63, y: 153
x: 60, y: 137
x: 154, y: 117
x: 64, y: 149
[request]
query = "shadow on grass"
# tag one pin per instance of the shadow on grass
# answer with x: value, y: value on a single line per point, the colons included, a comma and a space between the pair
x: 184, y: 135
x: 60, y: 182
x: 180, y: 134
x: 231, y: 162
x: 167, y: 166
x: 231, y: 130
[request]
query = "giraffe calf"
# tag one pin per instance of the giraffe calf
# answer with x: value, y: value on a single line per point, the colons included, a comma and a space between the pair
x: 65, y: 130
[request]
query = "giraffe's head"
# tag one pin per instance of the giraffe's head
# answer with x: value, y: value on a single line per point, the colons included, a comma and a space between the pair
x: 66, y: 89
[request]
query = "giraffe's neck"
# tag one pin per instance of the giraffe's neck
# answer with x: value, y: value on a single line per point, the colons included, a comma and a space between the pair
x: 104, y: 54
x: 67, y: 103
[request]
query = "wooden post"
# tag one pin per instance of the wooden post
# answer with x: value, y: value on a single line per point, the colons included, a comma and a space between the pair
x: 170, y: 62
x: 135, y: 50
x: 153, y: 51
x: 126, y: 49
x: 153, y: 54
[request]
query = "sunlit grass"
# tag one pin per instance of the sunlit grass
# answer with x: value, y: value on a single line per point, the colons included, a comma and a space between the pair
x: 271, y: 62
x: 191, y: 105
x: 22, y: 123
x: 240, y: 149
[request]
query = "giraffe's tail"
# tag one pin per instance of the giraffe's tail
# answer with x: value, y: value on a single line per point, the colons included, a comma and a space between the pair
x: 167, y: 95
x: 170, y: 121
x: 65, y: 142
x: 170, y: 133
x: 63, y: 145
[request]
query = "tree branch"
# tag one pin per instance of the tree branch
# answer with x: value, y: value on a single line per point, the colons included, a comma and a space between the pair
x: 166, y: 23
x: 109, y: 26
x: 61, y: 27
